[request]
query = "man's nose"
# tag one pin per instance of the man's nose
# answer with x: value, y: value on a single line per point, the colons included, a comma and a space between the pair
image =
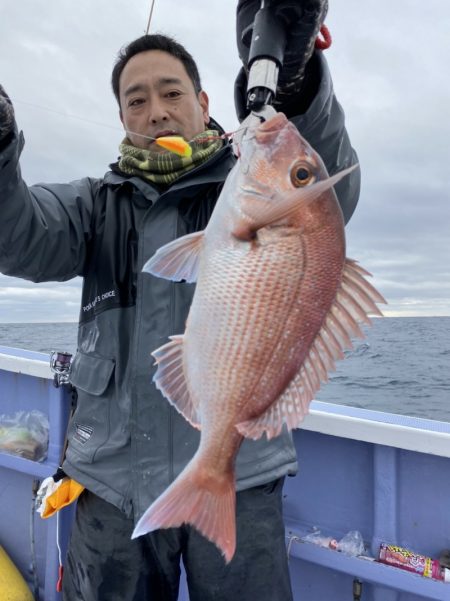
x: 158, y: 112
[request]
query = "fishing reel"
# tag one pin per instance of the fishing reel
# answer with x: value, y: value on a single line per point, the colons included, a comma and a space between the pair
x: 278, y: 28
x: 268, y: 42
x: 60, y: 362
x: 261, y: 46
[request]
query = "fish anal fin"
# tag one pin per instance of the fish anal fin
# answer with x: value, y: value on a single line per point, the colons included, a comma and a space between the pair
x: 355, y: 299
x: 170, y: 379
x: 178, y: 260
x: 209, y: 508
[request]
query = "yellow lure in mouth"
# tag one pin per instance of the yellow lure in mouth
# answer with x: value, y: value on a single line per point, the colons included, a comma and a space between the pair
x: 175, y: 144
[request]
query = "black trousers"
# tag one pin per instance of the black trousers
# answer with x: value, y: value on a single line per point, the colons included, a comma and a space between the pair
x: 104, y: 564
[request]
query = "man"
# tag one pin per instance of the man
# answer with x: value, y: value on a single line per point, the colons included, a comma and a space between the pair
x: 126, y: 444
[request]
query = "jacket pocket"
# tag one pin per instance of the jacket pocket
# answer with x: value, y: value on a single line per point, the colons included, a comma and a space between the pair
x: 91, y: 374
x: 89, y: 426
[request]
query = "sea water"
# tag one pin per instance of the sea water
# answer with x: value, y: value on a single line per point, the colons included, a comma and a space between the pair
x: 401, y: 366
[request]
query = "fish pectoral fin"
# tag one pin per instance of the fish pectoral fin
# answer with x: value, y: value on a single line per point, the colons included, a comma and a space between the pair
x: 355, y: 300
x: 263, y: 214
x: 178, y: 260
x: 170, y: 380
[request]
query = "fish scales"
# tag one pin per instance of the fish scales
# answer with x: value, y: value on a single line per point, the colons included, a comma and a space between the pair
x: 276, y: 303
x: 239, y: 324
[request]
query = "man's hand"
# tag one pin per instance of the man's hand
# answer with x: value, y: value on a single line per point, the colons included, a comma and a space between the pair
x: 302, y: 20
x: 6, y: 115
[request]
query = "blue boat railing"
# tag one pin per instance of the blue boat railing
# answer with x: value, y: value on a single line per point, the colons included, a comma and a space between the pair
x: 385, y: 475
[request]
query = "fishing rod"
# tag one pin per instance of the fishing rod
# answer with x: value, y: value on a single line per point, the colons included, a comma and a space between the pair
x: 267, y: 40
x: 268, y: 43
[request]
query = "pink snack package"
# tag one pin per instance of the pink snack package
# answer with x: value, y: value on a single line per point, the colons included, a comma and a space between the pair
x: 413, y: 562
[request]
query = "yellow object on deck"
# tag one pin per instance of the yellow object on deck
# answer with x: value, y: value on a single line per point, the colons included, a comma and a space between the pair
x: 12, y: 586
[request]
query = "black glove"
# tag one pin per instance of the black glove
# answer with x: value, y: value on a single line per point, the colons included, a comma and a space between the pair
x: 302, y: 19
x: 6, y: 116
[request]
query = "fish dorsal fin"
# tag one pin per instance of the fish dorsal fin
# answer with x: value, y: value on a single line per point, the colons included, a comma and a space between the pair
x: 178, y: 260
x: 263, y: 214
x: 170, y: 379
x: 355, y: 298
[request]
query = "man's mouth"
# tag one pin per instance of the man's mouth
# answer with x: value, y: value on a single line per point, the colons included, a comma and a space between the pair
x: 165, y: 132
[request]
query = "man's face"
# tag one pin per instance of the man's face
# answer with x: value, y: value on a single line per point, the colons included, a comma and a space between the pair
x: 157, y: 98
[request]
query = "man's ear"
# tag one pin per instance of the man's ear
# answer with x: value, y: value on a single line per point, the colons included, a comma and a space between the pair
x: 204, y: 103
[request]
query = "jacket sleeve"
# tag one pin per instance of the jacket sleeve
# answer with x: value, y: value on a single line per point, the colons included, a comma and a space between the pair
x: 44, y: 229
x: 323, y: 125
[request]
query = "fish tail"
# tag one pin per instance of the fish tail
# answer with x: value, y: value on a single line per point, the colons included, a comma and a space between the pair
x: 203, y: 501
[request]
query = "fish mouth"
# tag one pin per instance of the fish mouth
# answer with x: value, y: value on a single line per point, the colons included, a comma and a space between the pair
x: 268, y: 132
x: 274, y: 124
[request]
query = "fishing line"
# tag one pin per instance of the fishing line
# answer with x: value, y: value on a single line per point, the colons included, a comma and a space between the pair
x: 84, y: 119
x: 150, y: 17
x: 69, y: 115
x: 224, y: 136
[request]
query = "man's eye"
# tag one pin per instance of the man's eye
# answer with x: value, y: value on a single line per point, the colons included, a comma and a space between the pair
x: 173, y: 94
x: 136, y: 102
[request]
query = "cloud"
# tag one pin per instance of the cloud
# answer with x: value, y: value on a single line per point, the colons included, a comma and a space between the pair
x: 21, y: 302
x: 388, y: 65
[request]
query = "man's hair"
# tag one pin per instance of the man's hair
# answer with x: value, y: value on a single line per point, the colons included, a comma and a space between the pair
x: 154, y: 42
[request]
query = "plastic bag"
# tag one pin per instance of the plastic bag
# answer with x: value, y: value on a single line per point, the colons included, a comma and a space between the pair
x: 25, y: 434
x: 352, y: 543
x: 317, y: 538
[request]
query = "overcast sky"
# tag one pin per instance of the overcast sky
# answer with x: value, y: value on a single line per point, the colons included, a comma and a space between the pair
x: 390, y: 64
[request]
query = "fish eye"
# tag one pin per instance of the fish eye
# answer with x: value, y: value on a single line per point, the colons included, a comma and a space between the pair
x: 301, y: 174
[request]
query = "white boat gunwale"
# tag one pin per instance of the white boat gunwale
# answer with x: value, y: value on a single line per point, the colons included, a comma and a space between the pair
x: 389, y: 429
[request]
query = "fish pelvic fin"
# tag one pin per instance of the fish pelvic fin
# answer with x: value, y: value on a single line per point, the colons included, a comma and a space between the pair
x: 354, y: 301
x: 206, y: 503
x: 178, y: 260
x: 170, y: 379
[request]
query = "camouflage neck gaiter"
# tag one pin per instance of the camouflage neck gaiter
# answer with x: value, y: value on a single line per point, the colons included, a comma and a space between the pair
x: 165, y: 167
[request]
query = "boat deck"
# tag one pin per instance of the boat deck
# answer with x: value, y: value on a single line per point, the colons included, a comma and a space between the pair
x: 385, y: 475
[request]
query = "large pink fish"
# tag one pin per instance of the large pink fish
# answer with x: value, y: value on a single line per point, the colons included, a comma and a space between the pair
x: 275, y: 305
